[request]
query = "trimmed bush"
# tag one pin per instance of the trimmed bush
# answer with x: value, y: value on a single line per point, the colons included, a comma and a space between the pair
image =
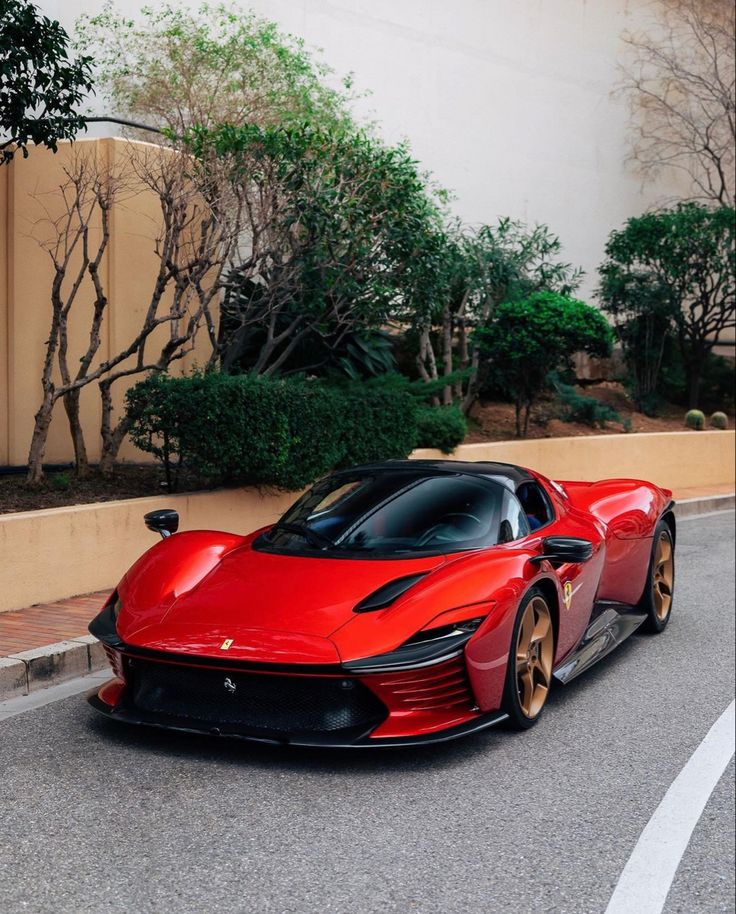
x: 374, y: 424
x: 588, y: 410
x: 441, y: 427
x: 719, y: 420
x: 260, y: 431
x: 695, y: 419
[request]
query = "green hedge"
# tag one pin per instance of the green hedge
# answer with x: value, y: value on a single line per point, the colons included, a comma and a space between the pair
x: 259, y: 431
x: 442, y: 427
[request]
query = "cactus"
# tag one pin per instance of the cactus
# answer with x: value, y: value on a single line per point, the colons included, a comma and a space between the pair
x: 719, y: 420
x: 695, y: 419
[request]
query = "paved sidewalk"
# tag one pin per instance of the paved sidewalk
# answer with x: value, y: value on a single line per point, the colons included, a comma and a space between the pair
x: 37, y: 626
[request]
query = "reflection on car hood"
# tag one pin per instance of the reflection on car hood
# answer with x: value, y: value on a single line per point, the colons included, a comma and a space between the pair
x: 264, y: 591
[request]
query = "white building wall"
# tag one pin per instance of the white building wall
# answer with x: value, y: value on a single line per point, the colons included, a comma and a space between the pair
x: 508, y: 102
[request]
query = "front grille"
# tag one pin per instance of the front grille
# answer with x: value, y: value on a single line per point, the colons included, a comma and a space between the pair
x: 252, y: 701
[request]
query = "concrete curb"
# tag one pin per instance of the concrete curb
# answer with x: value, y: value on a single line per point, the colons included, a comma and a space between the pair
x: 41, y: 667
x: 705, y: 504
x: 29, y: 671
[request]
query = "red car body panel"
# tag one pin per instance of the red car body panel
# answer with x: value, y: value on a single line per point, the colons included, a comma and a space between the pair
x: 216, y: 599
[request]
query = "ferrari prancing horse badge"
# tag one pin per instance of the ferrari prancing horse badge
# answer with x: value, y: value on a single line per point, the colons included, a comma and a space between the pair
x: 567, y: 594
x: 225, y: 646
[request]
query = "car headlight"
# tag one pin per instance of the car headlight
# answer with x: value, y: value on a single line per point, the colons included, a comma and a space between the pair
x: 428, y: 647
x: 104, y: 626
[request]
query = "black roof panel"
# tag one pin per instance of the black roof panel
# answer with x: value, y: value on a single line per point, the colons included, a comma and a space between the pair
x: 507, y: 474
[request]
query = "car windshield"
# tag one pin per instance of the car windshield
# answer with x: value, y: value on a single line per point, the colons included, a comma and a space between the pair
x: 398, y: 512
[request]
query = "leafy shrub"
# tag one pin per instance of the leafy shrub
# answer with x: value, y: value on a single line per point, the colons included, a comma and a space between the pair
x: 261, y: 431
x: 530, y: 338
x: 579, y: 408
x: 695, y: 419
x: 719, y: 420
x: 374, y: 424
x: 441, y: 427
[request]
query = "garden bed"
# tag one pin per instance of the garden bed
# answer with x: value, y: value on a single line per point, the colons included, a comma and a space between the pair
x: 490, y: 422
x: 495, y: 421
x: 62, y: 488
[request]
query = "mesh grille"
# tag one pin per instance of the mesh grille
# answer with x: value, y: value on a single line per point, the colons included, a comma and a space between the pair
x: 284, y: 704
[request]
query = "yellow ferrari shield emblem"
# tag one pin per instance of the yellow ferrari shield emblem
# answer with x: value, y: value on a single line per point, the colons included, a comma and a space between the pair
x: 567, y: 594
x: 225, y: 646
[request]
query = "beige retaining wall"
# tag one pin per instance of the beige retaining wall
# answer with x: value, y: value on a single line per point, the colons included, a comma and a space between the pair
x: 55, y: 553
x: 676, y: 460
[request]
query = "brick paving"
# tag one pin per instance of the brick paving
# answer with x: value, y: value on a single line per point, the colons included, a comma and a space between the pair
x: 47, y: 623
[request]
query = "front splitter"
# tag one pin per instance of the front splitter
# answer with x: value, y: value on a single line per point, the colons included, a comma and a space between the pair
x: 342, y: 740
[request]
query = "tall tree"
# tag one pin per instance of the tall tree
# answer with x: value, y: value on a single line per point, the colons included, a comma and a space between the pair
x: 335, y: 226
x: 687, y: 254
x: 41, y: 88
x: 681, y: 84
x: 177, y: 67
x: 194, y: 240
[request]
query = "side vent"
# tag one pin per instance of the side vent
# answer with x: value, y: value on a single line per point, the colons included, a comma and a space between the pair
x: 386, y: 594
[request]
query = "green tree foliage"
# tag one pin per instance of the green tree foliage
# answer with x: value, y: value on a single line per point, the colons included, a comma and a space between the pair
x: 643, y: 315
x: 41, y: 88
x: 531, y: 337
x: 687, y: 254
x: 262, y: 431
x: 472, y: 271
x: 338, y: 226
x: 216, y: 64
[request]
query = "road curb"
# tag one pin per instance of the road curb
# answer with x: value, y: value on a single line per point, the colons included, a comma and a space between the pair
x: 41, y: 667
x: 707, y: 504
x: 29, y: 671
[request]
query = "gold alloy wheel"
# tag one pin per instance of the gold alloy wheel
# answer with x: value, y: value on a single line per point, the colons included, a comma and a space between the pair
x: 663, y: 576
x: 534, y: 655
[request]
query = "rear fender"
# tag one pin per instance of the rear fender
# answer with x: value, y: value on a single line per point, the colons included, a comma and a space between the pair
x: 630, y: 510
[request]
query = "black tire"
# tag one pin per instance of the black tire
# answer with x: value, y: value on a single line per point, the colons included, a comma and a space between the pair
x: 541, y: 677
x: 658, y: 594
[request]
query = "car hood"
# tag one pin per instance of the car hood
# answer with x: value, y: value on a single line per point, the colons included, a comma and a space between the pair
x: 268, y: 605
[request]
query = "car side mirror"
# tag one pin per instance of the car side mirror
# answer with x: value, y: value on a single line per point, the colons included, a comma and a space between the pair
x: 165, y: 521
x: 560, y: 550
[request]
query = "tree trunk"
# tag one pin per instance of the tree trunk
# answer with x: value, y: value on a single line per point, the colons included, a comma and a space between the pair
x: 112, y: 436
x: 694, y: 372
x: 447, y: 353
x: 71, y: 406
x: 518, y: 418
x: 38, y: 440
x: 111, y: 447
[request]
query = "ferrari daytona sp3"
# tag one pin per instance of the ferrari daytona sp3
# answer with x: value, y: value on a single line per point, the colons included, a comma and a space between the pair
x: 398, y: 603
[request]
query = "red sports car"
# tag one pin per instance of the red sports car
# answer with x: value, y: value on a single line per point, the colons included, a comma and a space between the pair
x: 398, y: 603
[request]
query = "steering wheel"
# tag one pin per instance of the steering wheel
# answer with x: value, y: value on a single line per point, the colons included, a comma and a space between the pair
x: 450, y: 520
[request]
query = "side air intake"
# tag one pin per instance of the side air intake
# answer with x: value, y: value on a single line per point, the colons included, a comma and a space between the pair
x: 388, y: 593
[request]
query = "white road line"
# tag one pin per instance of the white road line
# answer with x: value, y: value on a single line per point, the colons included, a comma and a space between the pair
x: 650, y: 870
x: 42, y: 697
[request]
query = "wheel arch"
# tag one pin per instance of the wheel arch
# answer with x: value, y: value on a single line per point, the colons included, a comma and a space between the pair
x: 668, y: 516
x: 549, y: 590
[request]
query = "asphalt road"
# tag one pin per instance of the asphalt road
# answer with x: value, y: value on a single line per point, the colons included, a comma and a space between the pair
x: 98, y: 818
